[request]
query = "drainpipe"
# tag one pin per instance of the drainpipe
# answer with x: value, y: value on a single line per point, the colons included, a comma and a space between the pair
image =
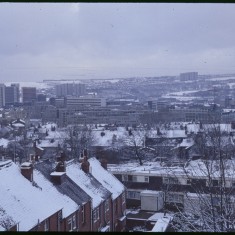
x: 91, y: 216
x: 113, y: 215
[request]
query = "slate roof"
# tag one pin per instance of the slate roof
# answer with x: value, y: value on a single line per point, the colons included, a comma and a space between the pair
x: 88, y: 183
x: 68, y: 187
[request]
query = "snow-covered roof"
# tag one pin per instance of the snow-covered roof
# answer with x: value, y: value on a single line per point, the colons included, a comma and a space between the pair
x: 162, y: 224
x: 22, y: 201
x: 149, y: 192
x: 158, y: 215
x: 48, y: 144
x: 196, y: 168
x: 175, y: 134
x: 68, y: 187
x: 196, y: 127
x: 87, y: 183
x: 199, y: 168
x: 26, y: 164
x: 55, y: 173
x: 107, y: 179
x: 106, y: 140
x: 186, y: 143
x: 18, y: 125
x: 61, y: 200
x: 19, y: 121
x: 4, y: 142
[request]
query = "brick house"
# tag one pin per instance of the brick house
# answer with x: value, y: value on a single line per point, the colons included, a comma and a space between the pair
x: 110, y: 182
x: 21, y: 207
x: 74, y: 199
x: 80, y: 173
x: 79, y: 220
x: 174, y: 182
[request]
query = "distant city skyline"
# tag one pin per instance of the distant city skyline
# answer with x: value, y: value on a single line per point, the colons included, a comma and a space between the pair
x: 41, y: 41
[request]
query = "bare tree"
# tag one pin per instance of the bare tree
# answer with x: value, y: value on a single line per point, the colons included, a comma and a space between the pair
x: 6, y: 221
x: 78, y: 139
x: 209, y: 200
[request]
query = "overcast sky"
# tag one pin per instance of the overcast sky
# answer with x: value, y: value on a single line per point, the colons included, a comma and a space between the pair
x: 113, y: 40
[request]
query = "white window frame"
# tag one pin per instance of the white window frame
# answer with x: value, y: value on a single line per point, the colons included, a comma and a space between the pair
x: 70, y: 224
x: 83, y: 214
x: 133, y: 195
x: 96, y: 214
x: 74, y: 224
x: 188, y: 181
x: 46, y: 225
x: 146, y: 179
x: 170, y: 180
x: 59, y: 220
x: 125, y: 178
x: 175, y: 197
x: 106, y: 205
x: 123, y: 198
x: 134, y: 178
x: 218, y: 183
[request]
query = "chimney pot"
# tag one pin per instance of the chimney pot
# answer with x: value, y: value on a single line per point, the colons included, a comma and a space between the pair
x: 60, y: 167
x: 85, y: 153
x: 58, y: 177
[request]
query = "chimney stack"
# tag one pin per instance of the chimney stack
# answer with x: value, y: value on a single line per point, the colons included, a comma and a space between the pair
x: 27, y: 170
x: 85, y: 165
x: 58, y: 177
x: 104, y: 163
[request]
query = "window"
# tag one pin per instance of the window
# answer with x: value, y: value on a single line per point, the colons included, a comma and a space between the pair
x: 106, y: 205
x: 170, y: 180
x: 125, y: 177
x: 233, y: 184
x: 123, y: 198
x: 83, y: 214
x: 96, y: 214
x: 70, y: 224
x: 134, y: 178
x: 74, y: 222
x: 189, y: 181
x: 215, y: 183
x: 146, y: 179
x: 59, y: 220
x: 133, y: 195
x: 46, y: 225
x: 177, y: 198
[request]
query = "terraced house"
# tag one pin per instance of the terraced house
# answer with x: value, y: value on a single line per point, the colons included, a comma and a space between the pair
x: 59, y: 196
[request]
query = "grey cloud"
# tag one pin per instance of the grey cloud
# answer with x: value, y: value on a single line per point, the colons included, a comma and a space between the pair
x: 114, y: 39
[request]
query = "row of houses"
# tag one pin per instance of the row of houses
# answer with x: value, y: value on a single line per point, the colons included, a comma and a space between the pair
x: 61, y: 196
x: 153, y: 186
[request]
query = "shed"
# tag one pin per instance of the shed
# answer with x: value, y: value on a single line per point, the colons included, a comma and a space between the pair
x: 151, y: 200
